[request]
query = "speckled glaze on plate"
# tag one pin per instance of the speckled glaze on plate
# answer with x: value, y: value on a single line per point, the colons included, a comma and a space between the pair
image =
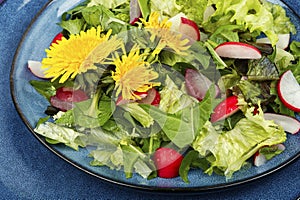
x: 31, y: 106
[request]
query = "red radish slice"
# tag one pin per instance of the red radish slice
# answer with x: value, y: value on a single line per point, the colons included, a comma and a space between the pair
x: 238, y: 50
x: 226, y: 108
x: 176, y: 21
x: 259, y: 159
x: 283, y: 41
x: 280, y: 147
x: 65, y: 97
x: 36, y: 68
x: 167, y: 162
x: 69, y: 94
x: 189, y: 28
x: 57, y: 38
x: 197, y: 84
x: 152, y: 98
x: 121, y: 101
x: 289, y: 91
x: 185, y: 26
x: 289, y: 124
x: 135, y: 12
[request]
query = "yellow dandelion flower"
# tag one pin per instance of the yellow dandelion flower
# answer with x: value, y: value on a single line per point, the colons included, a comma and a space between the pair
x: 133, y: 74
x: 157, y: 27
x: 168, y: 38
x: 75, y: 55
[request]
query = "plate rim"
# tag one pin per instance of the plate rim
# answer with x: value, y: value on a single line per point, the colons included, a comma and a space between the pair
x: 147, y: 188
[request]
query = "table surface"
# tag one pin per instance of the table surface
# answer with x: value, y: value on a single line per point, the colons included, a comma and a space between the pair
x: 28, y: 170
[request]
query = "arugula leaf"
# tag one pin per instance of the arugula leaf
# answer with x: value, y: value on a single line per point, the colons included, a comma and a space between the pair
x: 192, y: 159
x: 73, y: 26
x: 96, y: 13
x: 48, y: 88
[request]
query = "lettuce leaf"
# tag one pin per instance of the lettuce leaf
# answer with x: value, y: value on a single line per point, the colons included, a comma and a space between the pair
x: 183, y: 127
x: 59, y: 134
x: 193, y: 9
x: 139, y: 114
x: 108, y: 4
x: 231, y: 149
x: 282, y: 23
x: 174, y: 99
x: 254, y: 16
x: 168, y: 8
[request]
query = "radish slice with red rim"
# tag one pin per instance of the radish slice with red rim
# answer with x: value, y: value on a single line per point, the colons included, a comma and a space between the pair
x: 135, y: 12
x: 238, y: 50
x: 289, y: 124
x: 289, y: 91
x: 197, y: 84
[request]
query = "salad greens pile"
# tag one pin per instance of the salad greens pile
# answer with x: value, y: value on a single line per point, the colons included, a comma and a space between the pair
x: 124, y: 136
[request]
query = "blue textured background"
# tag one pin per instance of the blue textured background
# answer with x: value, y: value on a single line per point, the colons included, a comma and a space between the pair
x: 28, y: 170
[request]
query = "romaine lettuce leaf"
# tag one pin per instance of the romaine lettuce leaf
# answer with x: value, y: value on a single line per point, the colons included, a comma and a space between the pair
x: 139, y: 114
x: 59, y: 134
x: 183, y: 127
x: 174, y: 99
x: 166, y: 7
x: 231, y: 149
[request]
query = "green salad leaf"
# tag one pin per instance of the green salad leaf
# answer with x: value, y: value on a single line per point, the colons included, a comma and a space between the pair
x: 59, y: 134
x: 255, y: 16
x: 108, y: 4
x: 183, y: 127
x: 247, y: 137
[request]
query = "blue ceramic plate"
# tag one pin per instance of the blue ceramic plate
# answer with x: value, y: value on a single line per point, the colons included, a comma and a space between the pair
x: 31, y: 107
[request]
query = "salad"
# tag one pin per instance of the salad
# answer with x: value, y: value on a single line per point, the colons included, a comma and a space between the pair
x: 160, y: 87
